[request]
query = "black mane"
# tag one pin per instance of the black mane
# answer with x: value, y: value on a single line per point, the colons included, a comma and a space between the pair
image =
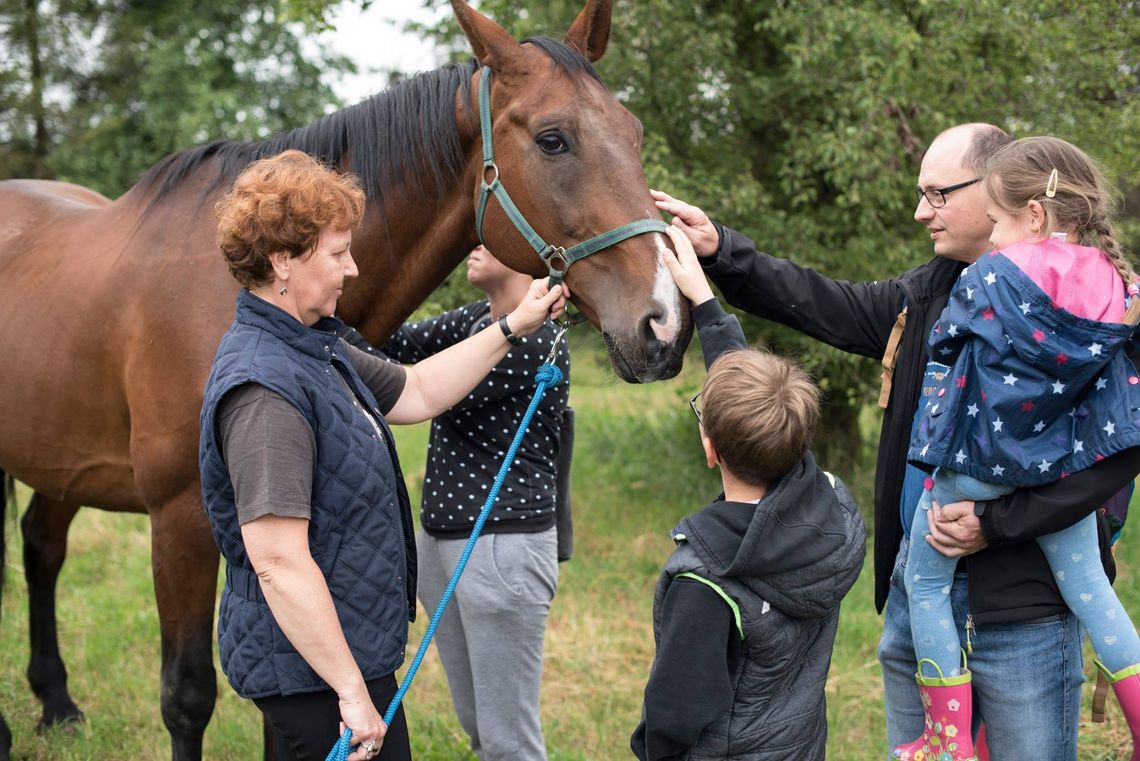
x: 408, y: 130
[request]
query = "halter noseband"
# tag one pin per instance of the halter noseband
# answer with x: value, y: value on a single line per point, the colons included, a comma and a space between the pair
x: 556, y: 258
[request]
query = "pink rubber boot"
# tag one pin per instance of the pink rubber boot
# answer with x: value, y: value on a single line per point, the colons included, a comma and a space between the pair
x: 948, y: 704
x: 1126, y: 686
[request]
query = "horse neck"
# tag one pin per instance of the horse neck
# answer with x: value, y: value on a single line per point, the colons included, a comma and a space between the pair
x: 409, y: 242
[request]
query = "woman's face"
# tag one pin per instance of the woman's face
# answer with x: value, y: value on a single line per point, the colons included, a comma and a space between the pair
x: 317, y: 278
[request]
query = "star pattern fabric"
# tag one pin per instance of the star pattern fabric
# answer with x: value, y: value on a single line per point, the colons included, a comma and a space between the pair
x: 1023, y: 391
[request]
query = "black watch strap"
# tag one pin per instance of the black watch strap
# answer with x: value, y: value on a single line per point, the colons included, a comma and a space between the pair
x: 512, y: 339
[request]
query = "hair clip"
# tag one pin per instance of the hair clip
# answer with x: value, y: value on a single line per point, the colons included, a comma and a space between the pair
x: 1051, y: 186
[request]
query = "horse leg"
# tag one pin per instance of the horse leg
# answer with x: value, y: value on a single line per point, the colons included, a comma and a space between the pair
x: 45, y: 527
x: 184, y: 561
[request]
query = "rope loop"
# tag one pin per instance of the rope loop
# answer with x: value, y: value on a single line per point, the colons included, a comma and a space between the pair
x: 549, y: 375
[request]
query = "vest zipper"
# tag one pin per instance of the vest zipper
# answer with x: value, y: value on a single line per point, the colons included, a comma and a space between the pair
x: 395, y: 488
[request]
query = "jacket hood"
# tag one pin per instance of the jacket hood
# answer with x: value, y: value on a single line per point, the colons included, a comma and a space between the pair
x: 801, y: 548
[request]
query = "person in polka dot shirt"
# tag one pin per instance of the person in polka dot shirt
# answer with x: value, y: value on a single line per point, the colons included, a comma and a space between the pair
x: 490, y: 639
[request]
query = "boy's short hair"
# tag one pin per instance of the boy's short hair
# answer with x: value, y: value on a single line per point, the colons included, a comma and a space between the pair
x: 760, y: 411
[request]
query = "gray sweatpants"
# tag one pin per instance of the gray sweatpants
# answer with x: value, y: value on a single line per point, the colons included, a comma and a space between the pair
x: 490, y: 638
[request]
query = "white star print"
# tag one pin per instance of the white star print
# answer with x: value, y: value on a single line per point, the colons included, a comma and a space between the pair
x: 1024, y: 307
x: 1039, y: 427
x: 972, y: 410
x: 952, y: 331
x: 997, y: 425
x: 1109, y: 428
x: 1095, y: 348
x: 1010, y: 379
x: 970, y: 293
x: 1078, y: 446
x: 990, y: 279
x: 998, y: 470
x: 1101, y: 384
x: 1058, y: 387
x: 925, y: 449
x: 1045, y: 465
x: 945, y: 350
x: 960, y: 457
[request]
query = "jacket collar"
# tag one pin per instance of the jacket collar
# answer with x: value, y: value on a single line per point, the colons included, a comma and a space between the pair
x: 317, y: 341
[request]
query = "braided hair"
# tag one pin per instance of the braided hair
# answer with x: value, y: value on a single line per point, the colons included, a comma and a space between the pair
x: 1070, y: 187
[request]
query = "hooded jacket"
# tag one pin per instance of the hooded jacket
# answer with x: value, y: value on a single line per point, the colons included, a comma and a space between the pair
x: 780, y: 569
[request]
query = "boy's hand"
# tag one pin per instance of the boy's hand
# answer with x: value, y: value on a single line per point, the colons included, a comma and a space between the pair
x: 690, y: 220
x: 686, y: 270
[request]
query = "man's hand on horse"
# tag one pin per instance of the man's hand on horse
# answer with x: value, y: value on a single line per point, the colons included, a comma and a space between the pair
x: 690, y: 220
x: 954, y: 529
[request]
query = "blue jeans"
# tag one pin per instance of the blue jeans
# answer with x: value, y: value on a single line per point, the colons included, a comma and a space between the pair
x: 1027, y: 678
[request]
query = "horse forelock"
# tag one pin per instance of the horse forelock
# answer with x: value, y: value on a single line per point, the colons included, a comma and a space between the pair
x: 564, y: 57
x: 407, y: 133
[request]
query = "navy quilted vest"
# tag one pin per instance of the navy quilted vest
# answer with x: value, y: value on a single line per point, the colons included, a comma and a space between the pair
x: 360, y: 529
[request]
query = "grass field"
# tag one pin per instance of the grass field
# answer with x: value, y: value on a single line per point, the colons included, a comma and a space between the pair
x: 637, y: 470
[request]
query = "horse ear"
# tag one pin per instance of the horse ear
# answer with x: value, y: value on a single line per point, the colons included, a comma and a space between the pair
x: 590, y: 32
x: 493, y: 45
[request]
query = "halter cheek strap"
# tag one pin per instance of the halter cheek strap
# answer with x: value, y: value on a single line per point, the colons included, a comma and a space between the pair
x: 556, y: 258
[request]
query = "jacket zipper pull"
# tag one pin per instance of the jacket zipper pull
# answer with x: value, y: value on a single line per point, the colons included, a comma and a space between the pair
x: 969, y: 630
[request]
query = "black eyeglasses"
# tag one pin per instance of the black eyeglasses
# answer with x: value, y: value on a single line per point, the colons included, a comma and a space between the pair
x: 936, y: 197
x: 695, y: 405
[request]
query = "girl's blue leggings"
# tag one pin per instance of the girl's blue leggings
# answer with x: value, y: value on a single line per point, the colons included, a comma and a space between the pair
x: 1073, y: 555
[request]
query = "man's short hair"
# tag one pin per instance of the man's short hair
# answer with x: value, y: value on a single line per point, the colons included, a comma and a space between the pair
x: 987, y: 140
x: 760, y: 411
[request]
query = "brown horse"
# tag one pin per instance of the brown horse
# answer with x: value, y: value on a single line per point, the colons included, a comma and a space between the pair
x: 113, y: 309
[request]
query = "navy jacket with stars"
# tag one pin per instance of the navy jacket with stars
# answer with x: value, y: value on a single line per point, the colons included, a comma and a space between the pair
x: 1020, y: 391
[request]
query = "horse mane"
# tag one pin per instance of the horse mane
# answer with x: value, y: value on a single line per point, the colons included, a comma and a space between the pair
x: 406, y: 131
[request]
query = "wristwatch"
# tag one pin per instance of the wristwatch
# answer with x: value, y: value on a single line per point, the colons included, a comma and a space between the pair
x: 512, y: 339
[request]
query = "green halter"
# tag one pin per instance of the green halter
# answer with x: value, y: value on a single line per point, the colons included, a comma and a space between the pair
x: 556, y: 258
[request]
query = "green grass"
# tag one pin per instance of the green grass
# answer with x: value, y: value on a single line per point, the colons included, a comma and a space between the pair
x: 637, y: 471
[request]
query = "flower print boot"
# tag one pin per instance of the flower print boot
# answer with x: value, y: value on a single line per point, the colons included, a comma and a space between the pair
x: 1126, y: 686
x: 948, y: 705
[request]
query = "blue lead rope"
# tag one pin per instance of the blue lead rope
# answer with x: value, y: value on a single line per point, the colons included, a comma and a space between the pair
x: 548, y: 376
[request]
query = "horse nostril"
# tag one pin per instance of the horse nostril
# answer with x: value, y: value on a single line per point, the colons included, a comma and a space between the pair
x: 655, y: 333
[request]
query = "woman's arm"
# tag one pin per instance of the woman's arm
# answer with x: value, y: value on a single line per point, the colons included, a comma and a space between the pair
x: 299, y: 598
x: 438, y: 382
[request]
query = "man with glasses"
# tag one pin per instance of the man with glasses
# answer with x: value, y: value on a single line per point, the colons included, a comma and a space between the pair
x: 1005, y: 601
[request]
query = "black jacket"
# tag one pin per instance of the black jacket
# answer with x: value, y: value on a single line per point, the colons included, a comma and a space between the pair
x: 1010, y: 580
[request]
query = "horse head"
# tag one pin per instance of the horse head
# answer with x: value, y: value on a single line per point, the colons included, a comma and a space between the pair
x: 570, y: 156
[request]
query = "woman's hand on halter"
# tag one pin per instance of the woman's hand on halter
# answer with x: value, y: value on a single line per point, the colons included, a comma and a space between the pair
x: 541, y: 302
x: 368, y: 729
x: 690, y: 220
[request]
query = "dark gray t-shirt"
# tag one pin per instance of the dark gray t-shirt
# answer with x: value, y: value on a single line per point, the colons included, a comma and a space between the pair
x: 269, y: 447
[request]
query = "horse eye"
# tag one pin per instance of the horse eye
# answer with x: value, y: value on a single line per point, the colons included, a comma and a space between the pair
x: 551, y: 143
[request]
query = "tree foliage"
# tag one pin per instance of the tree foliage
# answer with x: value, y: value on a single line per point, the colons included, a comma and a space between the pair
x: 95, y: 91
x: 802, y: 123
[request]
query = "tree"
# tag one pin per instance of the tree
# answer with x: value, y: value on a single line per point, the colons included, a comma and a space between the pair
x: 802, y: 123
x: 95, y: 91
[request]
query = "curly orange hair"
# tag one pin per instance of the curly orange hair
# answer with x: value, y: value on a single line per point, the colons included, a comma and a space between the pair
x: 283, y: 203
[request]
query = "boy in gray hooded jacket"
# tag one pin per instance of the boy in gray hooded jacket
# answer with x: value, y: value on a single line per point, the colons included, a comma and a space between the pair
x: 747, y: 606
